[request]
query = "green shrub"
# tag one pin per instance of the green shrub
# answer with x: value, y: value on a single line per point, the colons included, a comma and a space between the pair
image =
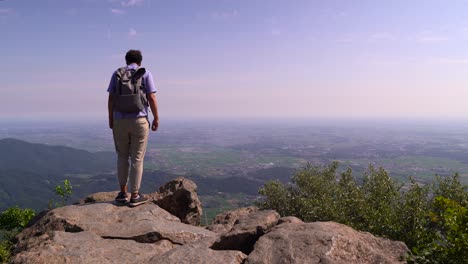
x: 430, y: 219
x: 15, y: 218
x: 381, y: 199
x: 5, y: 251
x: 12, y: 221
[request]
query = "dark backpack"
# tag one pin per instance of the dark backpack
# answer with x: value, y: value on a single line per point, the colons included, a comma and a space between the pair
x: 129, y: 95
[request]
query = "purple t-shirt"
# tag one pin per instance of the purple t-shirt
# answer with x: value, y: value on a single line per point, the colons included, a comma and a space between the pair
x: 149, y: 88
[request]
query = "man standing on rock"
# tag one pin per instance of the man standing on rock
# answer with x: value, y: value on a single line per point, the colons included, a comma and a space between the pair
x: 131, y: 91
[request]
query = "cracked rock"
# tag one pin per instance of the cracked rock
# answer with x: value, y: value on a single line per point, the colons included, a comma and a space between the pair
x: 223, y: 222
x: 147, y: 224
x: 246, y: 231
x: 87, y: 247
x: 324, y: 242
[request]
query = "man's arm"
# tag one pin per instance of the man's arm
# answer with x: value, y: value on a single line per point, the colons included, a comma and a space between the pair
x: 111, y: 111
x: 154, y: 109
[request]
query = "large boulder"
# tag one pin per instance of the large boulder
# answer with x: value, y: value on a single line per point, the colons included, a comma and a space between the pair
x: 324, y: 242
x: 223, y: 222
x: 87, y: 247
x: 83, y: 226
x: 179, y: 197
x: 246, y: 231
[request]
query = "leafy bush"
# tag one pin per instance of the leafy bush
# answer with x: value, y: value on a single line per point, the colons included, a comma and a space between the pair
x: 15, y: 218
x: 431, y: 219
x: 450, y: 244
x: 12, y: 221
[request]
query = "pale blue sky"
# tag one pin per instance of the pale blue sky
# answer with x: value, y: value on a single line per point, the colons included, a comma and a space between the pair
x: 234, y: 58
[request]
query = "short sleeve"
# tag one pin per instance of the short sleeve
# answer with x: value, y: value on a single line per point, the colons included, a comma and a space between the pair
x: 113, y: 80
x: 149, y: 83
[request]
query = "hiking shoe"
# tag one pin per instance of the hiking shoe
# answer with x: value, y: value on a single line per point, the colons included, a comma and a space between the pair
x: 121, y: 197
x: 140, y: 199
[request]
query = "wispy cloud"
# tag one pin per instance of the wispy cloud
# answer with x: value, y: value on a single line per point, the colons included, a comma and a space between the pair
x: 5, y: 14
x: 340, y: 14
x: 6, y: 11
x: 275, y: 31
x: 451, y: 61
x: 430, y: 37
x: 346, y: 38
x: 132, y: 2
x: 117, y: 12
x: 185, y: 82
x: 224, y: 14
x: 381, y: 36
x: 132, y: 33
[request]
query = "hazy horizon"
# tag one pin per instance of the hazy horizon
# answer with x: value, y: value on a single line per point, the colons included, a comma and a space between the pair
x: 393, y: 123
x: 224, y: 59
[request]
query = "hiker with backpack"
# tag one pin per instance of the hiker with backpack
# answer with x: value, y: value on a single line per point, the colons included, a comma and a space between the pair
x: 131, y: 91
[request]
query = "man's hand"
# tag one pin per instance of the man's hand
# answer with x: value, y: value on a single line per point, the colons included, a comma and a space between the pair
x: 155, y: 124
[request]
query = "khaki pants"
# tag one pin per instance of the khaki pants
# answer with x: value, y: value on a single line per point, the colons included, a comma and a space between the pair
x: 130, y: 139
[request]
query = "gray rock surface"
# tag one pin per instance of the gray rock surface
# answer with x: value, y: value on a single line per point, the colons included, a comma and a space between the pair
x: 324, y: 242
x: 289, y: 220
x: 144, y: 224
x: 199, y: 255
x: 246, y: 231
x: 99, y: 197
x: 179, y: 197
x: 87, y: 247
x: 223, y: 222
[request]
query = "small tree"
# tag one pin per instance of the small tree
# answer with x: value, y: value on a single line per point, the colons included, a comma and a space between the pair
x: 64, y: 193
x: 451, y: 187
x: 381, y: 200
x: 413, y: 215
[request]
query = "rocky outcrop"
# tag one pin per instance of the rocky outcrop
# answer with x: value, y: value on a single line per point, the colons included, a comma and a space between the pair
x: 223, y: 222
x: 324, y: 242
x: 179, y: 197
x: 146, y: 223
x: 86, y: 247
x: 144, y: 227
x: 98, y: 231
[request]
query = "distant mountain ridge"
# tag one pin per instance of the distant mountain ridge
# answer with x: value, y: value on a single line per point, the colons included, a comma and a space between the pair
x: 23, y: 156
x: 30, y: 172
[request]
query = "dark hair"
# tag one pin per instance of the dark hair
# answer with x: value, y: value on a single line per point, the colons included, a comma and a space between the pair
x: 133, y: 56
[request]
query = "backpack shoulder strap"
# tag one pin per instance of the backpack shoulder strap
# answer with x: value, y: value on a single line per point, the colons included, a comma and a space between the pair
x: 139, y: 73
